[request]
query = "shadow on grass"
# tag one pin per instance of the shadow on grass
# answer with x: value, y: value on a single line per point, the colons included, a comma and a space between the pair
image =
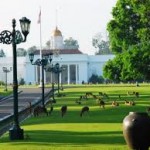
x: 99, y: 115
x: 48, y: 137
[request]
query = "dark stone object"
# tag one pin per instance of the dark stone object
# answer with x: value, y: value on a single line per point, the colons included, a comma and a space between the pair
x: 136, y: 130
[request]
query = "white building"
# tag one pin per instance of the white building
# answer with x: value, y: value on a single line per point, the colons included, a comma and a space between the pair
x: 78, y: 66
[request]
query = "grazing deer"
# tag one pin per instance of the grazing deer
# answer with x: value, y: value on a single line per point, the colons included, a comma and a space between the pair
x: 78, y: 102
x: 130, y: 93
x: 88, y: 94
x: 101, y: 103
x: 83, y: 97
x: 50, y: 102
x: 126, y: 102
x: 137, y: 94
x: 63, y: 110
x: 39, y: 109
x: 83, y: 110
x: 95, y: 97
x: 101, y: 93
x: 114, y: 103
x: 51, y: 110
x: 133, y: 93
x: 130, y: 103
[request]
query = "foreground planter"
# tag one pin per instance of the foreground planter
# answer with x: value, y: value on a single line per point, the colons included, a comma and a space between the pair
x: 136, y: 130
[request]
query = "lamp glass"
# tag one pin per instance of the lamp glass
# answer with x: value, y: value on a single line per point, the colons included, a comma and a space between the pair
x: 31, y: 57
x: 25, y: 25
x: 50, y: 57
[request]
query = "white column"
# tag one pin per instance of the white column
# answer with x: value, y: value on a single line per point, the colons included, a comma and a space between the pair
x: 51, y: 76
x: 76, y: 74
x: 68, y: 74
x: 60, y: 77
x: 36, y: 74
x: 44, y: 76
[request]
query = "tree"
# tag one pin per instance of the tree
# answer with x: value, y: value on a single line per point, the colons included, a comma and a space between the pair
x: 71, y: 43
x: 143, y: 9
x: 128, y: 25
x: 96, y: 79
x: 2, y: 54
x: 136, y: 63
x: 129, y: 33
x: 32, y: 49
x: 102, y: 45
x: 21, y: 52
x: 112, y: 69
x: 48, y: 44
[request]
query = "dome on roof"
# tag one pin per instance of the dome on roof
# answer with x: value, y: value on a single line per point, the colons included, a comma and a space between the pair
x: 56, y: 32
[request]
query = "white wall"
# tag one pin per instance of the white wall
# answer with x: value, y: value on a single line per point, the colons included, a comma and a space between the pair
x: 8, y: 62
x: 88, y: 65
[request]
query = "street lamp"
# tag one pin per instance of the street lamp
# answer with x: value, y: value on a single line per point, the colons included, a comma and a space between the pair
x: 15, y: 37
x: 41, y: 62
x: 57, y: 69
x: 6, y: 70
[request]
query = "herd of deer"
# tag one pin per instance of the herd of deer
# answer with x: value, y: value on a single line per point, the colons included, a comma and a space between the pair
x: 101, y: 96
x: 39, y: 109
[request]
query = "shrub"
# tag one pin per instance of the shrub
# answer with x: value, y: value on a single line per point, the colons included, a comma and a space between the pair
x: 96, y: 79
x: 21, y: 81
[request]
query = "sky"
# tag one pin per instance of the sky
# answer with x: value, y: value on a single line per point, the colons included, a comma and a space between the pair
x: 79, y: 19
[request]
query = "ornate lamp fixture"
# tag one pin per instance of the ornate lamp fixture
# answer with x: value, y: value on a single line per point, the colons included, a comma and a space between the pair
x: 15, y: 37
x: 46, y: 59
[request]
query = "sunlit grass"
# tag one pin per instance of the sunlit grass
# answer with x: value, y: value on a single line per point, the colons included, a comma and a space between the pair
x: 100, y: 129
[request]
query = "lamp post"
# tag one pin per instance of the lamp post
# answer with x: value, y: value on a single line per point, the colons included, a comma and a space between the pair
x: 41, y: 62
x: 15, y: 37
x: 53, y: 90
x: 6, y: 70
x: 57, y: 69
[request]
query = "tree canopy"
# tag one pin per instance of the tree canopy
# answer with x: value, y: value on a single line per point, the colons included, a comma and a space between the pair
x: 32, y: 49
x: 129, y: 34
x: 101, y: 44
x: 21, y: 52
x: 2, y: 53
x: 71, y: 43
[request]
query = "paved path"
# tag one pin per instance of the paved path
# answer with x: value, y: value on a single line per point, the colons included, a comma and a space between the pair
x: 27, y: 95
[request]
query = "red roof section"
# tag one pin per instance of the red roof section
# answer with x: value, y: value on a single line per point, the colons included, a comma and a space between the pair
x: 62, y: 51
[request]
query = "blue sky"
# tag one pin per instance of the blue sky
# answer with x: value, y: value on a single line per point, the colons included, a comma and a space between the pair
x: 80, y: 19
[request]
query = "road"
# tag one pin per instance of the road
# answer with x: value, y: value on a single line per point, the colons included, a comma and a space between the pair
x: 24, y: 98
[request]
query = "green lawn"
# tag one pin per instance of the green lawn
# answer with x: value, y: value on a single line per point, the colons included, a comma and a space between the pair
x: 101, y: 129
x: 5, y: 93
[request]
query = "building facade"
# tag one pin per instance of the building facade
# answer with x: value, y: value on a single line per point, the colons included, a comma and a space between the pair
x: 77, y: 67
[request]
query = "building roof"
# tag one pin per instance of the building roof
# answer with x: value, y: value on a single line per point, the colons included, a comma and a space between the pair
x: 62, y: 51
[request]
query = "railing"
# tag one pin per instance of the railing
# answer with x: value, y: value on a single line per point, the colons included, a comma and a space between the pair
x: 7, y: 122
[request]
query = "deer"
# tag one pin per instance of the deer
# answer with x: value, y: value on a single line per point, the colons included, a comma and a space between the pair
x: 83, y: 110
x: 51, y: 110
x: 88, y: 94
x: 130, y: 103
x: 101, y: 103
x: 39, y: 109
x: 63, y: 110
x: 114, y: 103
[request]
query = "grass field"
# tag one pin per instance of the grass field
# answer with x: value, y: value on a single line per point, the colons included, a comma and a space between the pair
x: 101, y: 129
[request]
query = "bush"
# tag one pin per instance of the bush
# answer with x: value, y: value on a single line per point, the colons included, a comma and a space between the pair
x: 21, y: 81
x: 96, y: 79
x: 2, y: 83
